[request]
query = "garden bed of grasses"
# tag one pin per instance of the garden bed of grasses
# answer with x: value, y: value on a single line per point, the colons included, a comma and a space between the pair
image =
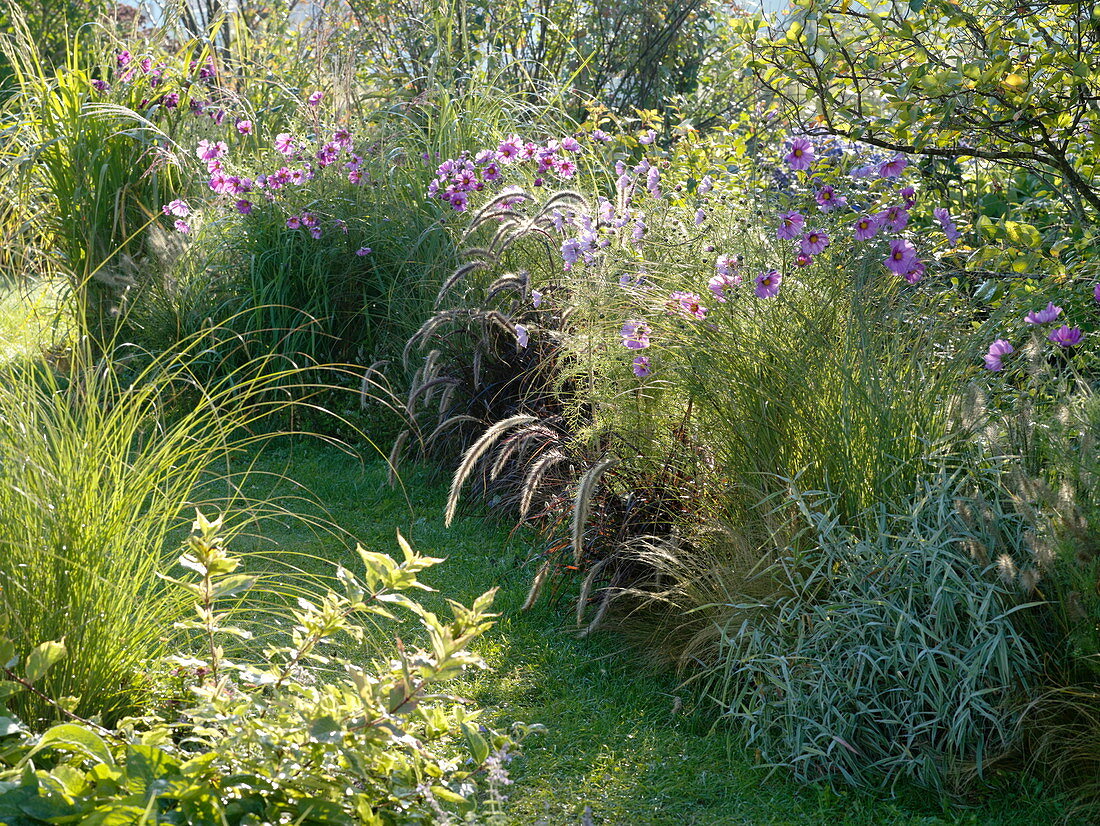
x: 749, y: 396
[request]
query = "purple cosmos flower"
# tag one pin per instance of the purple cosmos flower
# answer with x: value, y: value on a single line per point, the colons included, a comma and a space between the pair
x: 1096, y: 293
x: 948, y: 224
x: 315, y: 98
x: 689, y: 304
x: 648, y: 138
x: 705, y: 185
x: 1066, y: 336
x: 767, y: 284
x: 244, y: 207
x: 182, y: 226
x: 315, y: 232
x: 244, y: 127
x: 909, y: 196
x: 893, y: 167
x: 866, y: 227
x: 814, y: 242
x: 284, y: 143
x: 896, y: 218
x: 640, y: 365
x: 600, y: 135
x: 522, y: 336
x: 790, y: 226
x: 828, y: 200
x: 723, y: 284
x: 123, y: 58
x: 171, y: 100
x: 363, y: 251
x: 146, y: 64
x: 801, y: 155
x: 570, y: 145
x: 803, y: 260
x: 902, y: 257
x: 509, y: 149
x: 728, y: 265
x: 700, y: 216
x: 997, y: 351
x: 177, y: 207
x: 635, y: 335
x: 1045, y: 315
x: 101, y: 86
x: 536, y: 299
x: 915, y: 273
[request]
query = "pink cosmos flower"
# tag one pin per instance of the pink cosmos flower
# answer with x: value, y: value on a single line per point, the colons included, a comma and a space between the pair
x: 689, y: 304
x: 565, y: 168
x: 315, y: 98
x: 182, y: 226
x: 640, y: 366
x: 244, y: 127
x: 284, y: 143
x: 342, y: 138
x: 570, y: 145
x: 997, y: 351
x: 1066, y: 336
x: 801, y: 155
x: 767, y: 284
x: 356, y: 177
x: 293, y: 222
x: 790, y: 226
x: 179, y: 208
x: 814, y: 242
x: 1044, y: 316
x: 635, y: 335
x: 902, y: 257
x: 209, y: 150
x: 893, y: 167
x: 866, y: 227
x: 123, y: 58
x: 722, y: 285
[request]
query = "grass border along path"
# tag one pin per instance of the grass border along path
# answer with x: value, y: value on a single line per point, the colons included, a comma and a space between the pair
x: 624, y: 746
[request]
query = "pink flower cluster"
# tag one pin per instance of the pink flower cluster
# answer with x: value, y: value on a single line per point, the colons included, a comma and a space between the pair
x: 456, y: 178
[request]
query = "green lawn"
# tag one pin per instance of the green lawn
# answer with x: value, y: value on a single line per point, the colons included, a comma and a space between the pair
x: 618, y: 741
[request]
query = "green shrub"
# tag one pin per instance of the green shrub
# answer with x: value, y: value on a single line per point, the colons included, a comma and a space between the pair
x: 304, y: 735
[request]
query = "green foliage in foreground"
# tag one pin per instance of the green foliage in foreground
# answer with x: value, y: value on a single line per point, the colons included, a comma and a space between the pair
x: 302, y: 736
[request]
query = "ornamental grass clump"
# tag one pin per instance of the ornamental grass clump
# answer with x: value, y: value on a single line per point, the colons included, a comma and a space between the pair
x: 884, y: 654
x: 97, y: 468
